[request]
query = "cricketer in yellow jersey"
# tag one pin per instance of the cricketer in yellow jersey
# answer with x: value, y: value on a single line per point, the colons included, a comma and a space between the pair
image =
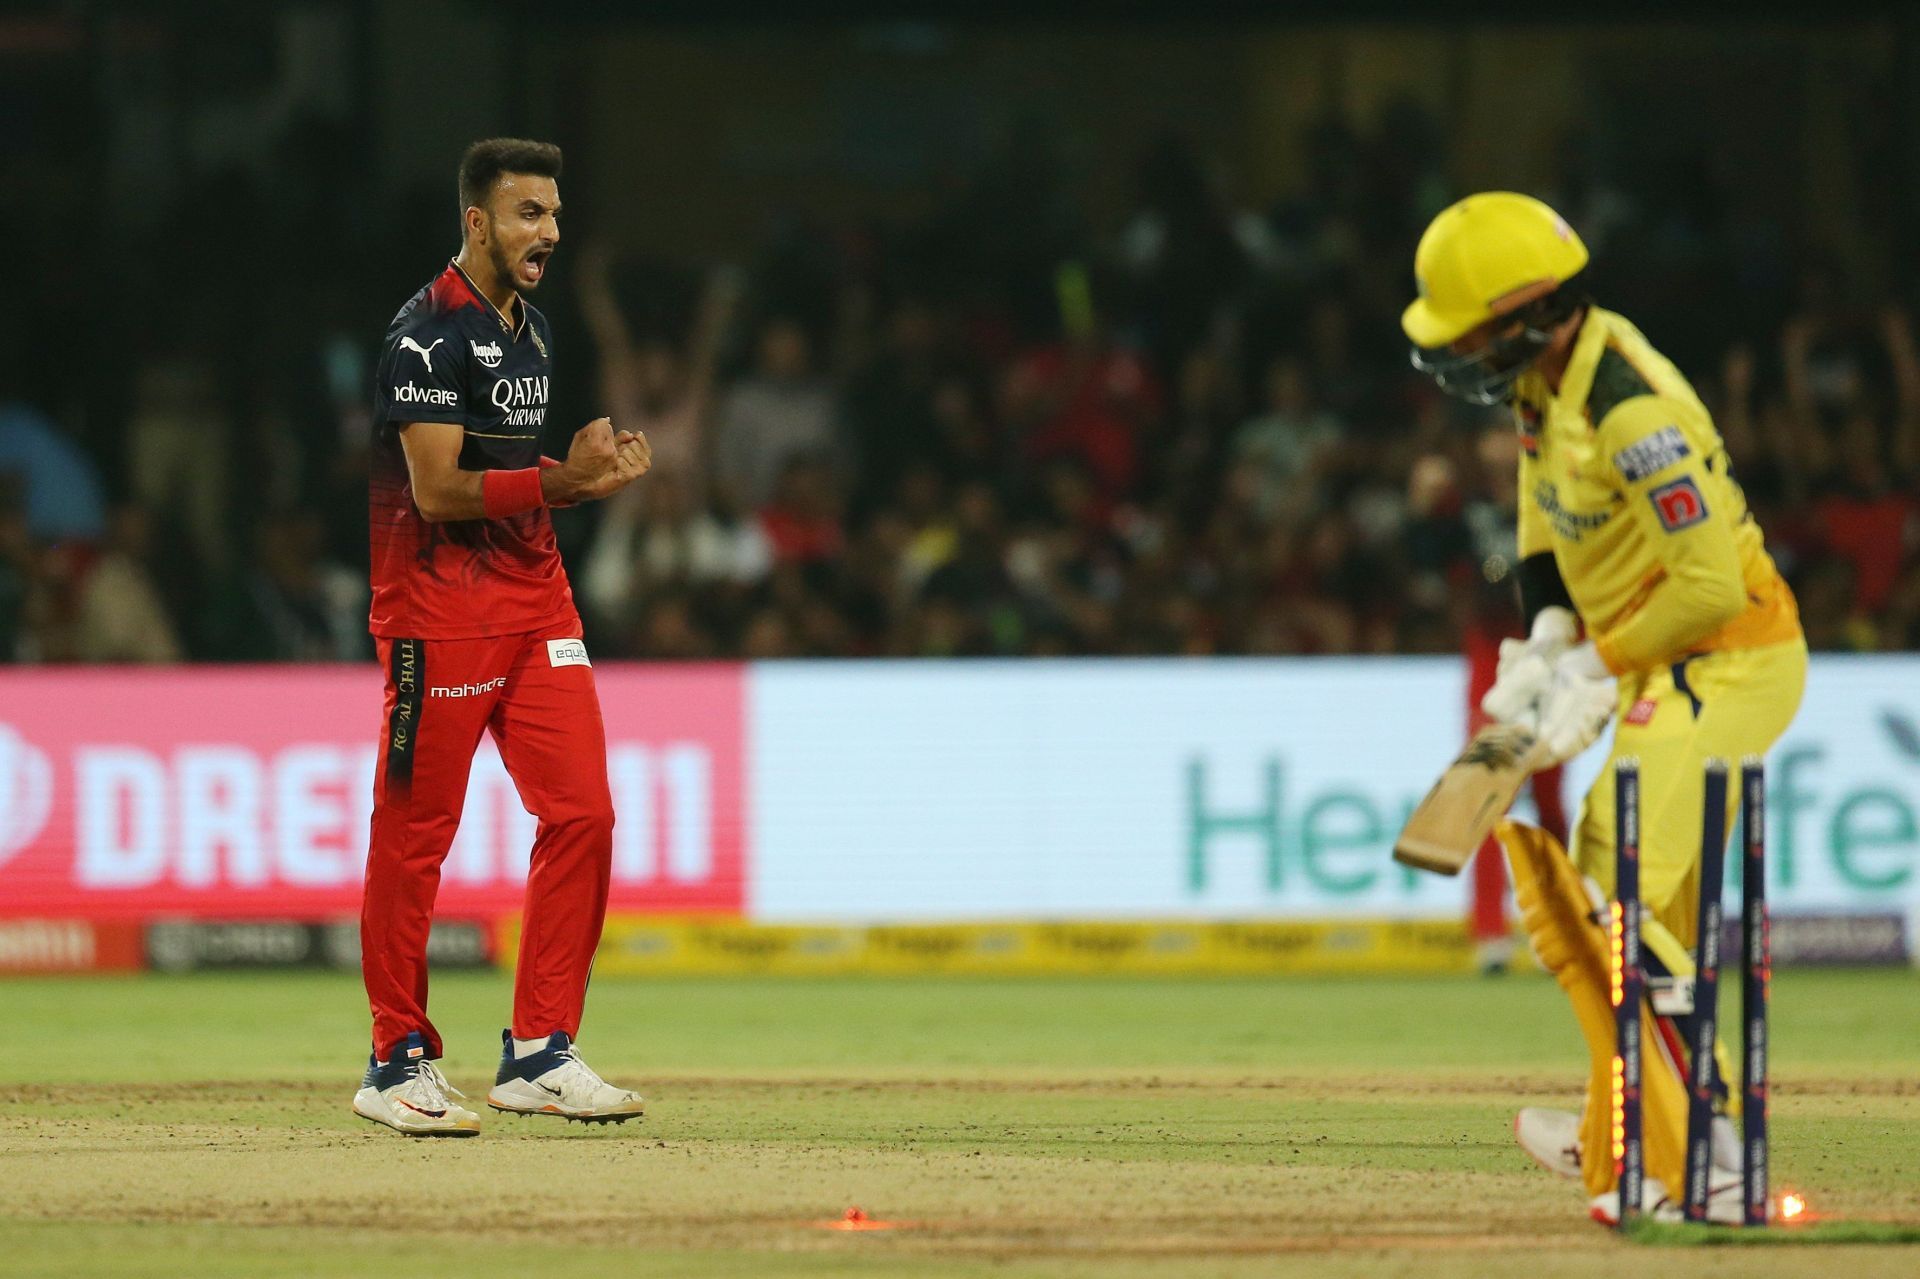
x: 1632, y: 529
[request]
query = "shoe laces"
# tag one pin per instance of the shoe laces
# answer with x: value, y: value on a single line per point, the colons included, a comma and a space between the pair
x: 430, y: 1088
x: 580, y: 1074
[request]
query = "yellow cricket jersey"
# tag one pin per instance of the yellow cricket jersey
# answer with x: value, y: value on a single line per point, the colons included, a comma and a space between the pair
x: 1624, y: 478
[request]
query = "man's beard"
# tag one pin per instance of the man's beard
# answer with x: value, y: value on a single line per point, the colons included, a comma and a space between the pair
x: 503, y: 269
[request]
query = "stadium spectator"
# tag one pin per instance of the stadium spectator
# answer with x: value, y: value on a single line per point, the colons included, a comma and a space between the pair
x: 783, y: 410
x: 121, y: 617
x: 56, y: 482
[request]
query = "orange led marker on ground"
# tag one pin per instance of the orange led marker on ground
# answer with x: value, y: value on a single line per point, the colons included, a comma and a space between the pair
x: 856, y: 1219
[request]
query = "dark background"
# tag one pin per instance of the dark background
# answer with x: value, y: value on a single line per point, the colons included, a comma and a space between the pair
x: 1041, y: 334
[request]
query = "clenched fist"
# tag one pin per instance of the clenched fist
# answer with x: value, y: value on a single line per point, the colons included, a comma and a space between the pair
x: 601, y: 462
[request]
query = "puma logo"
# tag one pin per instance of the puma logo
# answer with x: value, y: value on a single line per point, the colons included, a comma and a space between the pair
x: 424, y: 352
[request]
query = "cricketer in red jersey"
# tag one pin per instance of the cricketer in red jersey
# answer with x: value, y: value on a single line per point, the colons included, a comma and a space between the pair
x: 475, y: 625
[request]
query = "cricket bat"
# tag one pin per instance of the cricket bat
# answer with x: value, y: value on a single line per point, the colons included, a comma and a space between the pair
x: 1459, y: 812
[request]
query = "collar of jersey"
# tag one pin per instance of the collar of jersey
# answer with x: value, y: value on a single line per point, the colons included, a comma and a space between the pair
x: 1577, y: 381
x: 498, y: 314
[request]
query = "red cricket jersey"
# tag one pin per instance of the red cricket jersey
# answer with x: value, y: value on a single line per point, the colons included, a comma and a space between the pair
x: 451, y: 356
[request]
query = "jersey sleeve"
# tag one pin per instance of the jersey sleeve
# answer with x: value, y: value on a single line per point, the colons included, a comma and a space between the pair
x: 423, y: 373
x: 1666, y: 475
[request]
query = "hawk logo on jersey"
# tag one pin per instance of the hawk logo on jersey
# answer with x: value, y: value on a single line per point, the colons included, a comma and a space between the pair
x: 1679, y: 504
x: 424, y: 352
x: 1649, y: 455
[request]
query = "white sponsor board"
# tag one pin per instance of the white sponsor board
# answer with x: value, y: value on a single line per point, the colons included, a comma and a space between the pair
x: 1094, y: 789
x: 923, y: 791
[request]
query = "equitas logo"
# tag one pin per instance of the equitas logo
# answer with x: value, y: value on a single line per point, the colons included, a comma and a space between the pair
x: 26, y: 792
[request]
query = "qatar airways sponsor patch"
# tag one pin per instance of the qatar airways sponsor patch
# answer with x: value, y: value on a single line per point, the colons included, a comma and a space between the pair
x: 1651, y: 454
x: 567, y: 652
x: 1679, y: 504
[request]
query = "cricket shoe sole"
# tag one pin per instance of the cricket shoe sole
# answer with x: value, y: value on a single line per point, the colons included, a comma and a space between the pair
x: 527, y: 1097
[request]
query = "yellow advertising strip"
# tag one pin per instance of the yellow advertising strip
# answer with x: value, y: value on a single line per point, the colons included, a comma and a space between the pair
x: 665, y: 946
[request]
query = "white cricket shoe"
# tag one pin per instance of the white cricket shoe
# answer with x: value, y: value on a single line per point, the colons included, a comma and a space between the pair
x: 554, y: 1081
x: 1724, y: 1201
x: 1552, y: 1137
x: 409, y: 1094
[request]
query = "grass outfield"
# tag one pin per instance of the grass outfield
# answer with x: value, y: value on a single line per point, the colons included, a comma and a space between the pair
x: 199, y: 1125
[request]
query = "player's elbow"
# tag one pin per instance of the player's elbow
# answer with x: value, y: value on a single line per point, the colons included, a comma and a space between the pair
x: 432, y: 506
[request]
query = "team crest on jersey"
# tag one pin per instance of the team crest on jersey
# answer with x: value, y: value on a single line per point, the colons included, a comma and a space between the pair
x: 1679, y: 504
x: 1651, y: 454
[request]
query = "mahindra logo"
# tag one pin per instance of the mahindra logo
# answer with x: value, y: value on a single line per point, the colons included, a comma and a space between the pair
x: 488, y: 353
x: 467, y: 690
x: 26, y: 792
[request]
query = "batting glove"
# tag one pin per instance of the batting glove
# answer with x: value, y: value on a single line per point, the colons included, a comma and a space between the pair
x: 1526, y: 669
x: 1577, y: 704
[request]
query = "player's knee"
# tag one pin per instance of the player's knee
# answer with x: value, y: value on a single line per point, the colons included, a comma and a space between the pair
x: 592, y: 817
x: 578, y: 816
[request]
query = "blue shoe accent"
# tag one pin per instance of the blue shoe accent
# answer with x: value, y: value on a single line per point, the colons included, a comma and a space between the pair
x: 406, y: 1057
x: 533, y: 1065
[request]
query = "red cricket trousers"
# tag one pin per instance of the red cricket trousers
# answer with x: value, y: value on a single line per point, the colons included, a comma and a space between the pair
x: 1487, y: 904
x: 535, y: 694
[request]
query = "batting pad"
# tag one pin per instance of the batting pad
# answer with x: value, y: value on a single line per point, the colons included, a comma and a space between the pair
x: 1572, y: 946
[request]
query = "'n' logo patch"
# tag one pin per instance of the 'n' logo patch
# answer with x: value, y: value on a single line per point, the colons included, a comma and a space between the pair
x: 1679, y: 504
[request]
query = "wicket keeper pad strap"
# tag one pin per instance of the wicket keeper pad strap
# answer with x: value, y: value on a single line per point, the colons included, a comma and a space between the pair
x: 1560, y: 926
x: 1541, y: 587
x: 508, y: 493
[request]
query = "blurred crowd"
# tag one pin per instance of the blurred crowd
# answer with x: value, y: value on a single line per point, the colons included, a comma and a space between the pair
x: 999, y: 429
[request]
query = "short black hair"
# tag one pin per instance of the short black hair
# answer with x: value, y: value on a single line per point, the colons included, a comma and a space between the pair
x: 487, y: 159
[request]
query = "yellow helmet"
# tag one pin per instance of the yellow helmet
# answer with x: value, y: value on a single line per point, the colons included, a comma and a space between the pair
x: 1487, y: 256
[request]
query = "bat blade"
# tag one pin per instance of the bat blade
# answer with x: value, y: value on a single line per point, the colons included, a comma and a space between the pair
x: 1475, y: 792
